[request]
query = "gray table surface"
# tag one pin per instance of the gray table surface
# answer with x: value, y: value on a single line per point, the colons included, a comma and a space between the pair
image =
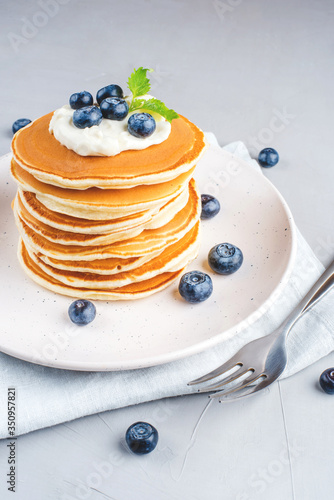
x: 260, y: 71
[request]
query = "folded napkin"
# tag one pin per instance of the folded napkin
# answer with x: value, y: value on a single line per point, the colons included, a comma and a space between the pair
x: 48, y: 396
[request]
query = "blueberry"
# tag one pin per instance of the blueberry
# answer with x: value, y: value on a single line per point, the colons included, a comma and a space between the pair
x: 141, y: 438
x: 20, y: 123
x: 210, y: 206
x: 82, y: 312
x: 225, y: 258
x: 109, y: 91
x: 141, y: 125
x: 327, y: 381
x: 87, y: 117
x: 81, y: 99
x: 268, y: 157
x: 114, y: 108
x: 195, y: 286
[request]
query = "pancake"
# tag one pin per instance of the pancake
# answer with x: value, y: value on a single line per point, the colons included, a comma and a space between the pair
x: 148, y: 241
x: 71, y: 238
x: 76, y: 224
x: 134, y: 291
x: 39, y: 153
x: 95, y: 203
x: 173, y: 258
x: 150, y: 219
x: 112, y: 265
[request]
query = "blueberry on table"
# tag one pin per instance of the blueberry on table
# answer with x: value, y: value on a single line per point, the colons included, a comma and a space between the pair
x: 327, y: 381
x: 225, y: 258
x: 81, y: 99
x: 195, y: 286
x: 114, y: 108
x: 87, y: 117
x: 210, y: 206
x: 109, y: 91
x: 20, y: 123
x: 141, y: 125
x: 82, y: 312
x: 141, y: 438
x: 268, y: 157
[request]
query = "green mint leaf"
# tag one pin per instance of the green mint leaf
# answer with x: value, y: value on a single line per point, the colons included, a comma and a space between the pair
x: 138, y: 82
x: 154, y: 105
x: 139, y: 85
x: 136, y: 104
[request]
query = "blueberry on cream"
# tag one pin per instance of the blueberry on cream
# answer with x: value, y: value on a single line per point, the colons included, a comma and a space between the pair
x: 141, y: 125
x: 81, y: 99
x: 87, y: 117
x: 114, y: 108
x: 109, y: 91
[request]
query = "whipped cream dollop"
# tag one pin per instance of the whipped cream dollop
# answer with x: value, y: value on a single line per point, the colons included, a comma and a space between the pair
x: 109, y: 138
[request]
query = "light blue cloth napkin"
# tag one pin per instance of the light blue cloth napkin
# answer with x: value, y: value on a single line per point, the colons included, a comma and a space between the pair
x: 47, y: 396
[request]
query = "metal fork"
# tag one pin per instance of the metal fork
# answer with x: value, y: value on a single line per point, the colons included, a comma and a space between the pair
x: 263, y: 360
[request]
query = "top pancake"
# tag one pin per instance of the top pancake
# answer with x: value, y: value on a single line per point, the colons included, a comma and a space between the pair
x: 37, y: 151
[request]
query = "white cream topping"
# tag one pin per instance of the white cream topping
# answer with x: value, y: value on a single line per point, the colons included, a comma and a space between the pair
x: 109, y: 138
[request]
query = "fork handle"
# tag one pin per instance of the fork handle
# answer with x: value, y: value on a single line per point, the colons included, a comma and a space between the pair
x: 318, y: 290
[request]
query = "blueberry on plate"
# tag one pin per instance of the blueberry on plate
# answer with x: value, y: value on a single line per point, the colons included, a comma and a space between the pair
x: 141, y: 125
x: 114, y: 108
x: 141, y: 438
x: 81, y: 99
x: 195, y: 286
x: 225, y: 258
x: 20, y: 123
x: 268, y: 157
x: 327, y: 381
x: 82, y: 312
x: 109, y: 91
x: 210, y: 206
x: 87, y: 117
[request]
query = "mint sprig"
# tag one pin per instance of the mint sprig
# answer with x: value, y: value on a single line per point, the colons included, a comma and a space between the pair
x: 138, y: 82
x: 154, y: 105
x: 139, y: 85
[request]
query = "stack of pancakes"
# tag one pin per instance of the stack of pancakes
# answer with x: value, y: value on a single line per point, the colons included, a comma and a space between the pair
x: 119, y: 227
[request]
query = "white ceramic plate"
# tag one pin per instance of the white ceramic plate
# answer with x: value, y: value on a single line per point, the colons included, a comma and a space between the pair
x: 161, y: 328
